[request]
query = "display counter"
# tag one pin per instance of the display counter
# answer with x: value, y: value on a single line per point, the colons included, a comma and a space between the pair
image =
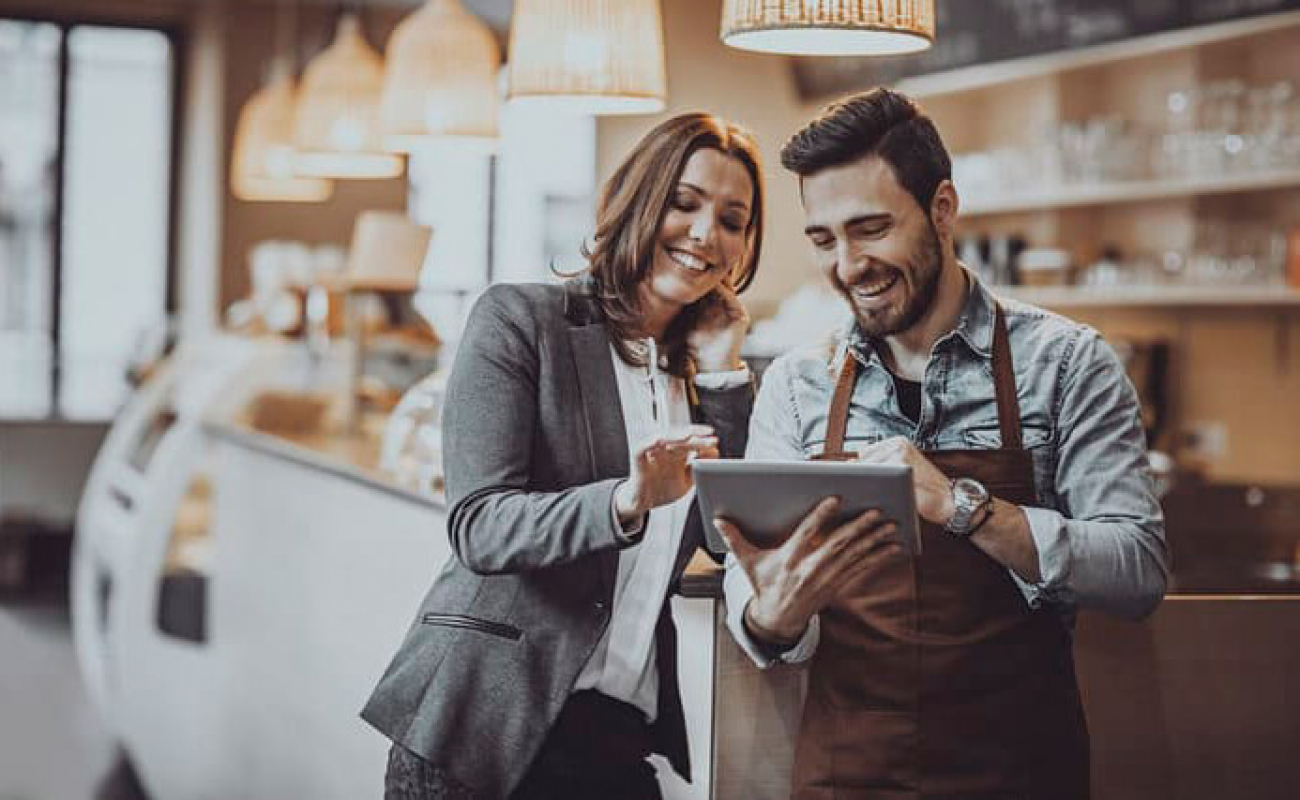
x: 239, y: 591
x: 319, y: 564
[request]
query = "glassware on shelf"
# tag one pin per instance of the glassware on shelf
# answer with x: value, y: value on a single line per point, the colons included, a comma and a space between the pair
x: 1217, y: 129
x: 1227, y: 127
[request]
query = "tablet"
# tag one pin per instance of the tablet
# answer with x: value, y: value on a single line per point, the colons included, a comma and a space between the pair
x: 768, y: 499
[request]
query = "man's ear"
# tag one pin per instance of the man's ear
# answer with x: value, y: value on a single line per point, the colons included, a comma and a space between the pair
x: 943, y: 208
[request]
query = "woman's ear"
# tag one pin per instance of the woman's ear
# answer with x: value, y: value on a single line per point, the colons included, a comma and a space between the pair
x: 943, y: 208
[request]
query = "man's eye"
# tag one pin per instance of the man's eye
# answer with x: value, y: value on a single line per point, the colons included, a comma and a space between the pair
x: 823, y: 243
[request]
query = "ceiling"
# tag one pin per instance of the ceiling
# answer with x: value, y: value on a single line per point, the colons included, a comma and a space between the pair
x: 494, y: 12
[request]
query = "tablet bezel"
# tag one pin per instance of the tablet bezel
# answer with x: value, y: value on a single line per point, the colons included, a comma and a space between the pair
x: 766, y: 499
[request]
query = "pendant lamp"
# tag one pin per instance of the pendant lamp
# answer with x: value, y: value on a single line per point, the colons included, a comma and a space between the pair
x: 589, y: 56
x: 440, y: 82
x: 337, y: 127
x: 262, y: 162
x: 829, y: 27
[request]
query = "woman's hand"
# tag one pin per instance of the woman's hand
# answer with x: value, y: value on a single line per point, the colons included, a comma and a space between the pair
x: 661, y: 471
x: 719, y: 331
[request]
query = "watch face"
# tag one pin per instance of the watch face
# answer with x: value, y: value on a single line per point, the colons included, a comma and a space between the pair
x: 969, y: 493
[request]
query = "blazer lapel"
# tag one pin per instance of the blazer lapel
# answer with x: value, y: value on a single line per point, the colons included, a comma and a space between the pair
x: 602, y: 415
x: 598, y: 398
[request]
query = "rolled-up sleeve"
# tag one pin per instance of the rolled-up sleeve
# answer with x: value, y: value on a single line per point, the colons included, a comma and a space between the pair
x: 772, y: 435
x: 739, y: 591
x: 1103, y: 546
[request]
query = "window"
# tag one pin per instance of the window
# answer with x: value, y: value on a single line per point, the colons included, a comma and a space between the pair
x: 86, y: 143
x: 510, y: 217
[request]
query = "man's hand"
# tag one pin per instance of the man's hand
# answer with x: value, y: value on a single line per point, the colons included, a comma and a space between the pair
x: 661, y: 471
x: 797, y: 580
x: 933, y: 489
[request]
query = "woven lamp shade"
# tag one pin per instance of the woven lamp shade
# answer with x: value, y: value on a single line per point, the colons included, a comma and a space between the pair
x: 337, y: 127
x: 829, y: 27
x: 388, y: 250
x: 262, y: 165
x: 590, y: 56
x: 441, y: 79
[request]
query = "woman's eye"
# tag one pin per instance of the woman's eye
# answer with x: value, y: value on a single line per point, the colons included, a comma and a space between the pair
x: 823, y: 243
x: 684, y: 203
x: 732, y: 224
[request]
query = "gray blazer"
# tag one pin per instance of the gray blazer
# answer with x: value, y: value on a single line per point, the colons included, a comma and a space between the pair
x: 535, y: 444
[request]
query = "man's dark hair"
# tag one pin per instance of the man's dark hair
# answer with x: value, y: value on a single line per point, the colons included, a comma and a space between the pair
x: 878, y: 122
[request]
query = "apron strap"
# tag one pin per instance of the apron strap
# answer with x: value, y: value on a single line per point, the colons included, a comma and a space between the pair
x: 1004, y: 385
x: 837, y: 424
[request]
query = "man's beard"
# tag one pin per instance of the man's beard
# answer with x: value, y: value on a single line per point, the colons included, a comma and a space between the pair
x: 927, y: 263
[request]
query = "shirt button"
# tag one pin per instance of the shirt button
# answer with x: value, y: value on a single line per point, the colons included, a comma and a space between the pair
x: 599, y: 607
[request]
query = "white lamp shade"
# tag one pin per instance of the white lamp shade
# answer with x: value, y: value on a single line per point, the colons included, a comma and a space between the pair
x: 262, y: 164
x: 441, y: 78
x: 592, y: 56
x: 829, y: 27
x: 337, y: 127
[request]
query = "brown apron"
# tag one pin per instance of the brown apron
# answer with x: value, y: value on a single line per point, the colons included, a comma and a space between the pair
x: 934, y: 678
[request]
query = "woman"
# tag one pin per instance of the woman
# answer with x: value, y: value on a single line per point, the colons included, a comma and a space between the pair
x: 542, y: 663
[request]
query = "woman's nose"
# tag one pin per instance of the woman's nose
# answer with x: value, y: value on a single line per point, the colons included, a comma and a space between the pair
x: 702, y: 228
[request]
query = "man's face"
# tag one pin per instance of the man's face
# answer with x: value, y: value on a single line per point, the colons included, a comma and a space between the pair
x: 875, y: 244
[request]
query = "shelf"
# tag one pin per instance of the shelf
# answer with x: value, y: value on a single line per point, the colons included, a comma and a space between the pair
x: 1132, y: 192
x: 983, y: 76
x: 1155, y: 296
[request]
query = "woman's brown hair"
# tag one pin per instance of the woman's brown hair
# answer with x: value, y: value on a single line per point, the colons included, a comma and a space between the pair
x: 632, y: 206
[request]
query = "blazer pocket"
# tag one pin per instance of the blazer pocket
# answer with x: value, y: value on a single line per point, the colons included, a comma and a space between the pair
x: 472, y: 624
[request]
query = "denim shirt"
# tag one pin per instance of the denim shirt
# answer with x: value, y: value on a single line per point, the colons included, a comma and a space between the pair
x: 1096, y: 523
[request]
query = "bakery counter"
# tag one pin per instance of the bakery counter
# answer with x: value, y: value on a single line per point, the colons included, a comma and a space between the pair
x: 351, y: 455
x: 317, y: 562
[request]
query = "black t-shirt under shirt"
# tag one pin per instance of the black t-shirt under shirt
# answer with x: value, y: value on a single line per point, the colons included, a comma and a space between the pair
x: 909, y: 397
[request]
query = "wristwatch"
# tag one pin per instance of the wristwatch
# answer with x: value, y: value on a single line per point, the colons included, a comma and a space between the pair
x: 968, y: 497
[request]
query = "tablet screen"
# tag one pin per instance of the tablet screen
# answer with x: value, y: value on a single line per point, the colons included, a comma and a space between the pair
x: 767, y: 499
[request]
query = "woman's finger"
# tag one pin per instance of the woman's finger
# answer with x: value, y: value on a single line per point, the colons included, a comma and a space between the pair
x: 688, y: 446
x: 704, y: 452
x: 682, y: 433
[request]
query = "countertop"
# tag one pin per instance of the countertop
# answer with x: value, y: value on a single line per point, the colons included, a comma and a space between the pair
x: 350, y: 455
x: 354, y: 456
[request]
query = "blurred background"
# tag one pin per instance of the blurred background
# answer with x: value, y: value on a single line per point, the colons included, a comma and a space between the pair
x: 238, y: 240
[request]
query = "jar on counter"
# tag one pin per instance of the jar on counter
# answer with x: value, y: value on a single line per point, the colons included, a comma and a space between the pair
x: 1045, y: 266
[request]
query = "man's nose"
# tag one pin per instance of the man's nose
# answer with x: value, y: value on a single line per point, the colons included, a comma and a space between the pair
x: 850, y: 263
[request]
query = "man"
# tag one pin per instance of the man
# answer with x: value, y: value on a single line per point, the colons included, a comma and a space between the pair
x: 948, y: 674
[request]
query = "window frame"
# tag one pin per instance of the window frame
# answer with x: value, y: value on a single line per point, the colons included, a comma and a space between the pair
x: 176, y: 39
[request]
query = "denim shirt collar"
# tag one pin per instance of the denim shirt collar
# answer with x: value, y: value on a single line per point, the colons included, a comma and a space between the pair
x: 974, y: 326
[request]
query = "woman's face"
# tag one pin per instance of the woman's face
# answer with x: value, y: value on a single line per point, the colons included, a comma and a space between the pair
x: 703, y: 234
